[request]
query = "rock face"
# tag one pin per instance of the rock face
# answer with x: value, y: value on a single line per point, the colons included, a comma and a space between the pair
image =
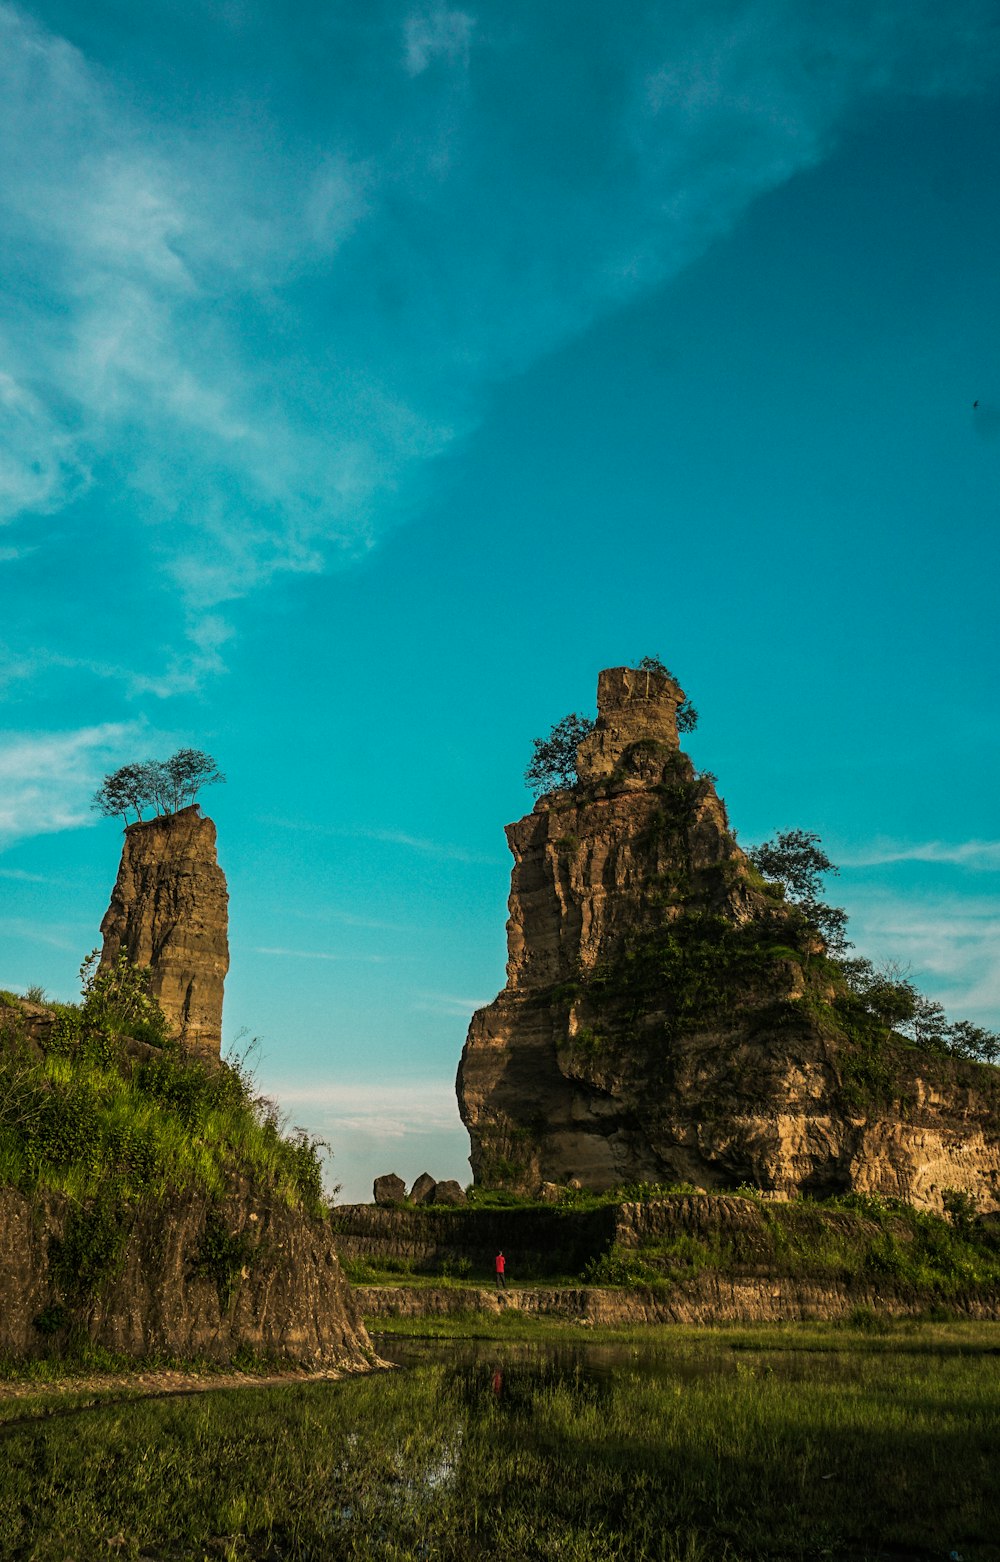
x: 169, y: 910
x: 667, y: 1017
x: 282, y: 1291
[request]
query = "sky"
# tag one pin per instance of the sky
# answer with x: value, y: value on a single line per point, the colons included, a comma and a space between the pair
x: 371, y: 375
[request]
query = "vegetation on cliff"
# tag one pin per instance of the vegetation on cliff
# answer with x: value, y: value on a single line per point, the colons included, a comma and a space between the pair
x: 107, y: 1107
x: 679, y: 1008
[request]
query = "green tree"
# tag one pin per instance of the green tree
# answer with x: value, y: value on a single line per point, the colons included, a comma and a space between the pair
x: 687, y: 716
x: 796, y: 860
x: 133, y: 786
x: 182, y: 776
x: 553, y: 761
x: 164, y: 785
x: 117, y: 999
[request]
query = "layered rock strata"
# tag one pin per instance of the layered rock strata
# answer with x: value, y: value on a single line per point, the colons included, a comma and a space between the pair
x: 169, y: 911
x: 281, y: 1293
x: 667, y: 1017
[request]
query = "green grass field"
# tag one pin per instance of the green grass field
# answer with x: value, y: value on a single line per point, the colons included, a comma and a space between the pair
x: 708, y: 1446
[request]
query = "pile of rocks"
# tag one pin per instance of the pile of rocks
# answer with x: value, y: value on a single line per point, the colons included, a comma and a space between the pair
x: 391, y: 1189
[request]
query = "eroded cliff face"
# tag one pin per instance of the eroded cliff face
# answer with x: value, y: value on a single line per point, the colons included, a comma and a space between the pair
x: 169, y: 911
x: 194, y: 1278
x: 668, y: 1018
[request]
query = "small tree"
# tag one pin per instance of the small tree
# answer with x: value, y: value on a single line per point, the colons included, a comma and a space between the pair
x: 687, y: 716
x: 553, y: 762
x: 184, y: 774
x: 165, y: 785
x: 796, y: 860
x: 117, y: 999
x: 133, y: 786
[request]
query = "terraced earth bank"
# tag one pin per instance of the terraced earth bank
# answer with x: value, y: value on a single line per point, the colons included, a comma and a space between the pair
x: 685, y: 1259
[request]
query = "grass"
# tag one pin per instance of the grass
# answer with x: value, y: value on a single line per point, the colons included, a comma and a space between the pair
x: 875, y: 1246
x: 854, y: 1239
x: 85, y: 1119
x: 729, y: 1447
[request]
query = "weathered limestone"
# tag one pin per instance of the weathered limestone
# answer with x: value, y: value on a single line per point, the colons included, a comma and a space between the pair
x: 609, y: 1058
x: 169, y: 911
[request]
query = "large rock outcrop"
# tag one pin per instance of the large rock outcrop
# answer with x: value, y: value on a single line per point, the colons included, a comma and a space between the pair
x: 667, y: 1017
x: 169, y: 911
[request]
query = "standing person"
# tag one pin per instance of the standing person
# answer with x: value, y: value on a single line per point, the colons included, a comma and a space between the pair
x: 501, y: 1264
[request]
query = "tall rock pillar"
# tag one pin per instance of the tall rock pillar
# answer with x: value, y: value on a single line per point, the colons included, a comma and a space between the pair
x: 169, y: 911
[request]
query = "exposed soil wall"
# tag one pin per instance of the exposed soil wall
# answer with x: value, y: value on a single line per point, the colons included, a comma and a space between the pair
x: 186, y: 1277
x: 546, y: 1241
x: 707, y: 1299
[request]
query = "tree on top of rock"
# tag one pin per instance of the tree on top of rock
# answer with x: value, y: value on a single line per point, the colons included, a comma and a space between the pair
x: 687, y: 716
x: 164, y: 785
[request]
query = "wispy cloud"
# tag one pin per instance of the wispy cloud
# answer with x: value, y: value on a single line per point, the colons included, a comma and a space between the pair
x: 975, y: 854
x: 418, y: 843
x: 311, y: 312
x: 321, y: 954
x: 448, y: 1003
x: 34, y: 933
x: 386, y: 1111
x: 47, y: 778
x: 438, y: 34
x: 950, y: 943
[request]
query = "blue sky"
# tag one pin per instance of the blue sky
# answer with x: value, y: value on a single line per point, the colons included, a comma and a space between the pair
x: 372, y: 375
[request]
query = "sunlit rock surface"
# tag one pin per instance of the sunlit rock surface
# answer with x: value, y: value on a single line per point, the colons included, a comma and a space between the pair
x: 666, y: 1017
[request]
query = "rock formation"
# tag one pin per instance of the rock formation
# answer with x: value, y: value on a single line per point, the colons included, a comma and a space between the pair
x: 285, y: 1294
x: 389, y: 1189
x: 668, y: 1017
x: 169, y: 911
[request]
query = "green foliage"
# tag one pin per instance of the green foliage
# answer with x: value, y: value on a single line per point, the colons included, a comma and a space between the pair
x: 796, y: 860
x: 116, y: 1002
x: 92, y: 1246
x: 694, y: 968
x: 553, y: 760
x: 225, y: 1257
x: 87, y: 1121
x: 619, y: 1266
x: 707, y: 1447
x: 165, y: 785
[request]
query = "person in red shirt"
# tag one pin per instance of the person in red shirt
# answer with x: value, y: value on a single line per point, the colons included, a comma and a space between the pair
x: 501, y: 1263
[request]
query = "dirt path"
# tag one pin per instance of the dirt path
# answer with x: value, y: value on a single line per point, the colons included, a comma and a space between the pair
x: 99, y: 1387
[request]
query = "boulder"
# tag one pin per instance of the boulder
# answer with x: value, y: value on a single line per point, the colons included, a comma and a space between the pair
x: 422, y: 1191
x: 449, y: 1192
x: 389, y: 1189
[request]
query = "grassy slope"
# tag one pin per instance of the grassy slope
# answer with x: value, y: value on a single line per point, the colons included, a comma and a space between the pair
x: 87, y: 1120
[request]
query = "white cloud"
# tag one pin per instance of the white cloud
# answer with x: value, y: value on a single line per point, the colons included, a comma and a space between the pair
x: 387, y: 1111
x: 438, y: 34
x: 417, y: 843
x: 47, y: 778
x: 950, y: 943
x: 448, y: 1003
x: 982, y: 855
x: 161, y: 342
